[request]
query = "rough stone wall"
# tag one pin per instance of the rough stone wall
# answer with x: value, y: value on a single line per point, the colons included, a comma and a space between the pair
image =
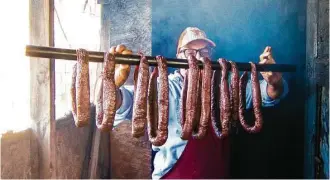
x: 130, y: 24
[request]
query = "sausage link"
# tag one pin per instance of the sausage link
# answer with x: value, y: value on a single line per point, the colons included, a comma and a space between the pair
x: 242, y: 98
x: 140, y: 99
x: 205, y: 99
x: 191, y: 100
x: 82, y: 89
x: 163, y: 96
x: 256, y: 100
x: 215, y: 99
x: 234, y: 95
x: 184, y: 99
x: 152, y: 106
x: 224, y: 98
x: 198, y: 104
x: 109, y: 93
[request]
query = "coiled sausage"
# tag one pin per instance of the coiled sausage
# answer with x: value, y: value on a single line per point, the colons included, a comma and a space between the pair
x: 205, y: 99
x: 80, y: 89
x: 224, y: 98
x: 158, y: 137
x: 191, y: 101
x: 215, y: 99
x: 109, y: 94
x: 256, y: 100
x: 234, y: 94
x: 140, y: 99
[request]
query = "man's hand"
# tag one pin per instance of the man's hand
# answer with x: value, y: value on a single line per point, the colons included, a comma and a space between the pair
x: 121, y: 75
x: 274, y: 79
x: 122, y: 70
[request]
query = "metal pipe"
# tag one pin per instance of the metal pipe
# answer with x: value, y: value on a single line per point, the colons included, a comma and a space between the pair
x: 95, y: 56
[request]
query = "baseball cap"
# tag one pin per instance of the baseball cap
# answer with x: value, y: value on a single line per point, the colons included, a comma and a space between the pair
x: 191, y: 34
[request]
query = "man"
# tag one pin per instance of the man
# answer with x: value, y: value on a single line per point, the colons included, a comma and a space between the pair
x: 206, y: 158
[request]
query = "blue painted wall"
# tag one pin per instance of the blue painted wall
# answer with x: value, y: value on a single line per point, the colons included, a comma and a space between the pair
x: 241, y: 29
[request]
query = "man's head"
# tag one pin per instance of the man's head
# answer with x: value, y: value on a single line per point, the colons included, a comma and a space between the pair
x: 194, y: 41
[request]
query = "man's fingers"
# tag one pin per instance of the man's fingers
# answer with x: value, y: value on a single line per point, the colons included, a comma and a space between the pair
x: 267, y: 49
x: 266, y: 55
x: 112, y: 50
x: 120, y: 48
x: 126, y: 51
x: 263, y: 61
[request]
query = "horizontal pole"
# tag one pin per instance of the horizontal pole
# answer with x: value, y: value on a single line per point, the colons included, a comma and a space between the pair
x: 96, y: 56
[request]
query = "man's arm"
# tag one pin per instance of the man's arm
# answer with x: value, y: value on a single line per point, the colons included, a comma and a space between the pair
x: 124, y: 102
x: 267, y: 100
x: 274, y: 91
x: 124, y: 105
x: 274, y: 79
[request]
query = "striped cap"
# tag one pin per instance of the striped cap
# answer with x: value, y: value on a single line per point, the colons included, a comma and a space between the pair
x: 191, y: 34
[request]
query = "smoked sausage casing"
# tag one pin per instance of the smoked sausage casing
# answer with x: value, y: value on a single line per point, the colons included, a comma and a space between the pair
x: 256, y: 101
x: 184, y: 99
x: 224, y: 98
x: 109, y: 94
x: 205, y: 99
x: 80, y: 89
x: 140, y: 99
x: 215, y: 99
x: 152, y: 106
x: 234, y: 94
x: 159, y: 136
x: 191, y: 101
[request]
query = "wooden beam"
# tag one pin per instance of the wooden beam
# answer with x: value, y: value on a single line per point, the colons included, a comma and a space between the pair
x: 42, y: 89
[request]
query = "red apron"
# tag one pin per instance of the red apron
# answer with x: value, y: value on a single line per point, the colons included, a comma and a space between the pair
x: 207, y: 158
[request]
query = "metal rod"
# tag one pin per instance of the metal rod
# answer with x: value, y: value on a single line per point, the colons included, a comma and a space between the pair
x: 95, y: 56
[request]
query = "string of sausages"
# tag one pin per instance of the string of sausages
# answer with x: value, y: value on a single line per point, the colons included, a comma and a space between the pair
x: 207, y: 99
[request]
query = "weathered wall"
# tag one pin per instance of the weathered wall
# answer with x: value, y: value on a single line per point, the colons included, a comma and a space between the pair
x: 129, y: 23
x: 317, y: 85
x: 19, y: 155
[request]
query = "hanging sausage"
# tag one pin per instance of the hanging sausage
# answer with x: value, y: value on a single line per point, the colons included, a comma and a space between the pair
x: 140, y: 99
x: 80, y: 89
x: 215, y: 109
x: 225, y: 112
x: 191, y: 99
x: 158, y: 114
x: 256, y: 100
x: 183, y: 99
x: 106, y: 100
x: 234, y: 94
x: 205, y: 89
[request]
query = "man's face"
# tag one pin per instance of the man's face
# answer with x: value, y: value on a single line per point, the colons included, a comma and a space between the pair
x: 198, y: 48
